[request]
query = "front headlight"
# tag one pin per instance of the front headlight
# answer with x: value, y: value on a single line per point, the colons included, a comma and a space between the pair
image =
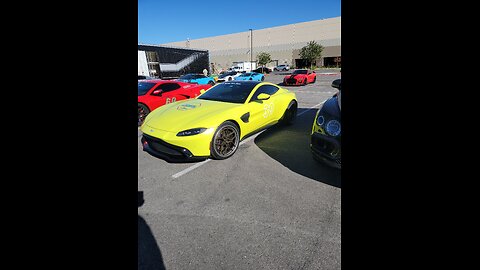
x: 190, y: 132
x: 320, y: 120
x: 333, y: 128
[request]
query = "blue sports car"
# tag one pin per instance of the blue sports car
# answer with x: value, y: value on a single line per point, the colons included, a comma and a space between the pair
x: 250, y: 76
x: 197, y: 78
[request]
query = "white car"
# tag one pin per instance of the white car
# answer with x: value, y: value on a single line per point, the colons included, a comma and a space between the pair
x: 228, y: 76
x: 281, y: 67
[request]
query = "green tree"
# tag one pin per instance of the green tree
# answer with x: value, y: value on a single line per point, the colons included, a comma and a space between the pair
x: 264, y: 58
x: 311, y: 52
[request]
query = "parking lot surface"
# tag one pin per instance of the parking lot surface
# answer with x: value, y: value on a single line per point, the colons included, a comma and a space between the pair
x: 269, y: 206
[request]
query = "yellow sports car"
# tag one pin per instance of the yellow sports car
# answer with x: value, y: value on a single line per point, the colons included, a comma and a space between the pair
x: 214, y: 123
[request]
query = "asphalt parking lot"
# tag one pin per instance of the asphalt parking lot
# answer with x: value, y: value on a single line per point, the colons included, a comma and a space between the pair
x: 269, y: 206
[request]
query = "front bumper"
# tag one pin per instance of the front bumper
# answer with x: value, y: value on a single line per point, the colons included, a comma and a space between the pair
x: 162, y: 143
x: 326, y: 149
x: 166, y: 151
x: 293, y: 81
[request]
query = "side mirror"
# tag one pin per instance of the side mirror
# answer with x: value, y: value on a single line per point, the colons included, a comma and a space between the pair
x: 263, y: 96
x: 313, y: 71
x: 157, y: 92
x: 337, y: 84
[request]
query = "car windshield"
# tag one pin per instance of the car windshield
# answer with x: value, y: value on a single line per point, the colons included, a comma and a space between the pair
x: 233, y: 92
x: 246, y: 75
x: 300, y: 71
x: 187, y: 77
x: 143, y: 87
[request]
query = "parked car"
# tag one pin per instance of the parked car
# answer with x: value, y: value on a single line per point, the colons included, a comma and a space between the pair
x: 250, y: 76
x: 196, y: 78
x: 236, y: 68
x: 155, y: 93
x: 281, y: 68
x: 325, y: 141
x: 214, y: 123
x: 262, y: 70
x: 300, y: 77
x: 228, y: 76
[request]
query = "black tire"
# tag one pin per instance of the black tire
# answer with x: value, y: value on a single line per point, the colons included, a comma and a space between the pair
x: 212, y: 83
x: 225, y: 141
x: 230, y: 79
x: 314, y: 79
x: 143, y: 111
x: 290, y: 114
x: 306, y: 81
x: 263, y: 78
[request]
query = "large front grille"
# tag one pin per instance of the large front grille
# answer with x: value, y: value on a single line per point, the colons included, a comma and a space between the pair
x: 162, y: 147
x: 328, y: 148
x: 291, y: 81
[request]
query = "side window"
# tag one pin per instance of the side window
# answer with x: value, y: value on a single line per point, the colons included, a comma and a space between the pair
x: 167, y: 87
x: 267, y: 89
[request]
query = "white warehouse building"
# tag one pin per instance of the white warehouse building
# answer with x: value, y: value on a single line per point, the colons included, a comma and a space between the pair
x: 283, y: 43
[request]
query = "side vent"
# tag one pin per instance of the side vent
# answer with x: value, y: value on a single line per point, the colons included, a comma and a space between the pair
x: 245, y: 117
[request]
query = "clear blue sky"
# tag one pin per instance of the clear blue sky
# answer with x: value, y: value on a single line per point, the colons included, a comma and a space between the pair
x: 163, y: 21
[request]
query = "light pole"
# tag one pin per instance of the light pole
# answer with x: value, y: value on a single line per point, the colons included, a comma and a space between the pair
x: 251, y: 50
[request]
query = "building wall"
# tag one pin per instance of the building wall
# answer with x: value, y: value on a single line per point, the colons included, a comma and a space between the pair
x: 282, y: 42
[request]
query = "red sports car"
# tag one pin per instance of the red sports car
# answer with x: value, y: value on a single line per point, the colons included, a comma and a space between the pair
x: 300, y: 77
x: 155, y: 93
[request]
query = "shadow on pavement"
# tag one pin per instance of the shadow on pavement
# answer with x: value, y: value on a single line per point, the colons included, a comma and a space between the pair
x: 290, y: 145
x: 149, y: 255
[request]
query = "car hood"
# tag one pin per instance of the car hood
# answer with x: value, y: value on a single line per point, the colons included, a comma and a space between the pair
x: 331, y: 108
x: 296, y: 76
x: 187, y: 114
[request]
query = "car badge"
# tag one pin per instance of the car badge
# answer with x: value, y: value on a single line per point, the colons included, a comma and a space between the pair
x: 188, y: 106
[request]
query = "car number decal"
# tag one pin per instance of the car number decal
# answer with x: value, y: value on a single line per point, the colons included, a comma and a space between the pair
x: 268, y: 110
x: 173, y: 100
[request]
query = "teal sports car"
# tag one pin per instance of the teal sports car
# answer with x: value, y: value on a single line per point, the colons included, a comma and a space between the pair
x: 250, y: 76
x: 196, y: 78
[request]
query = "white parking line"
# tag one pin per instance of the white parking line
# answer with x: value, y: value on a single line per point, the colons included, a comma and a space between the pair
x: 193, y: 167
x: 311, y: 108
